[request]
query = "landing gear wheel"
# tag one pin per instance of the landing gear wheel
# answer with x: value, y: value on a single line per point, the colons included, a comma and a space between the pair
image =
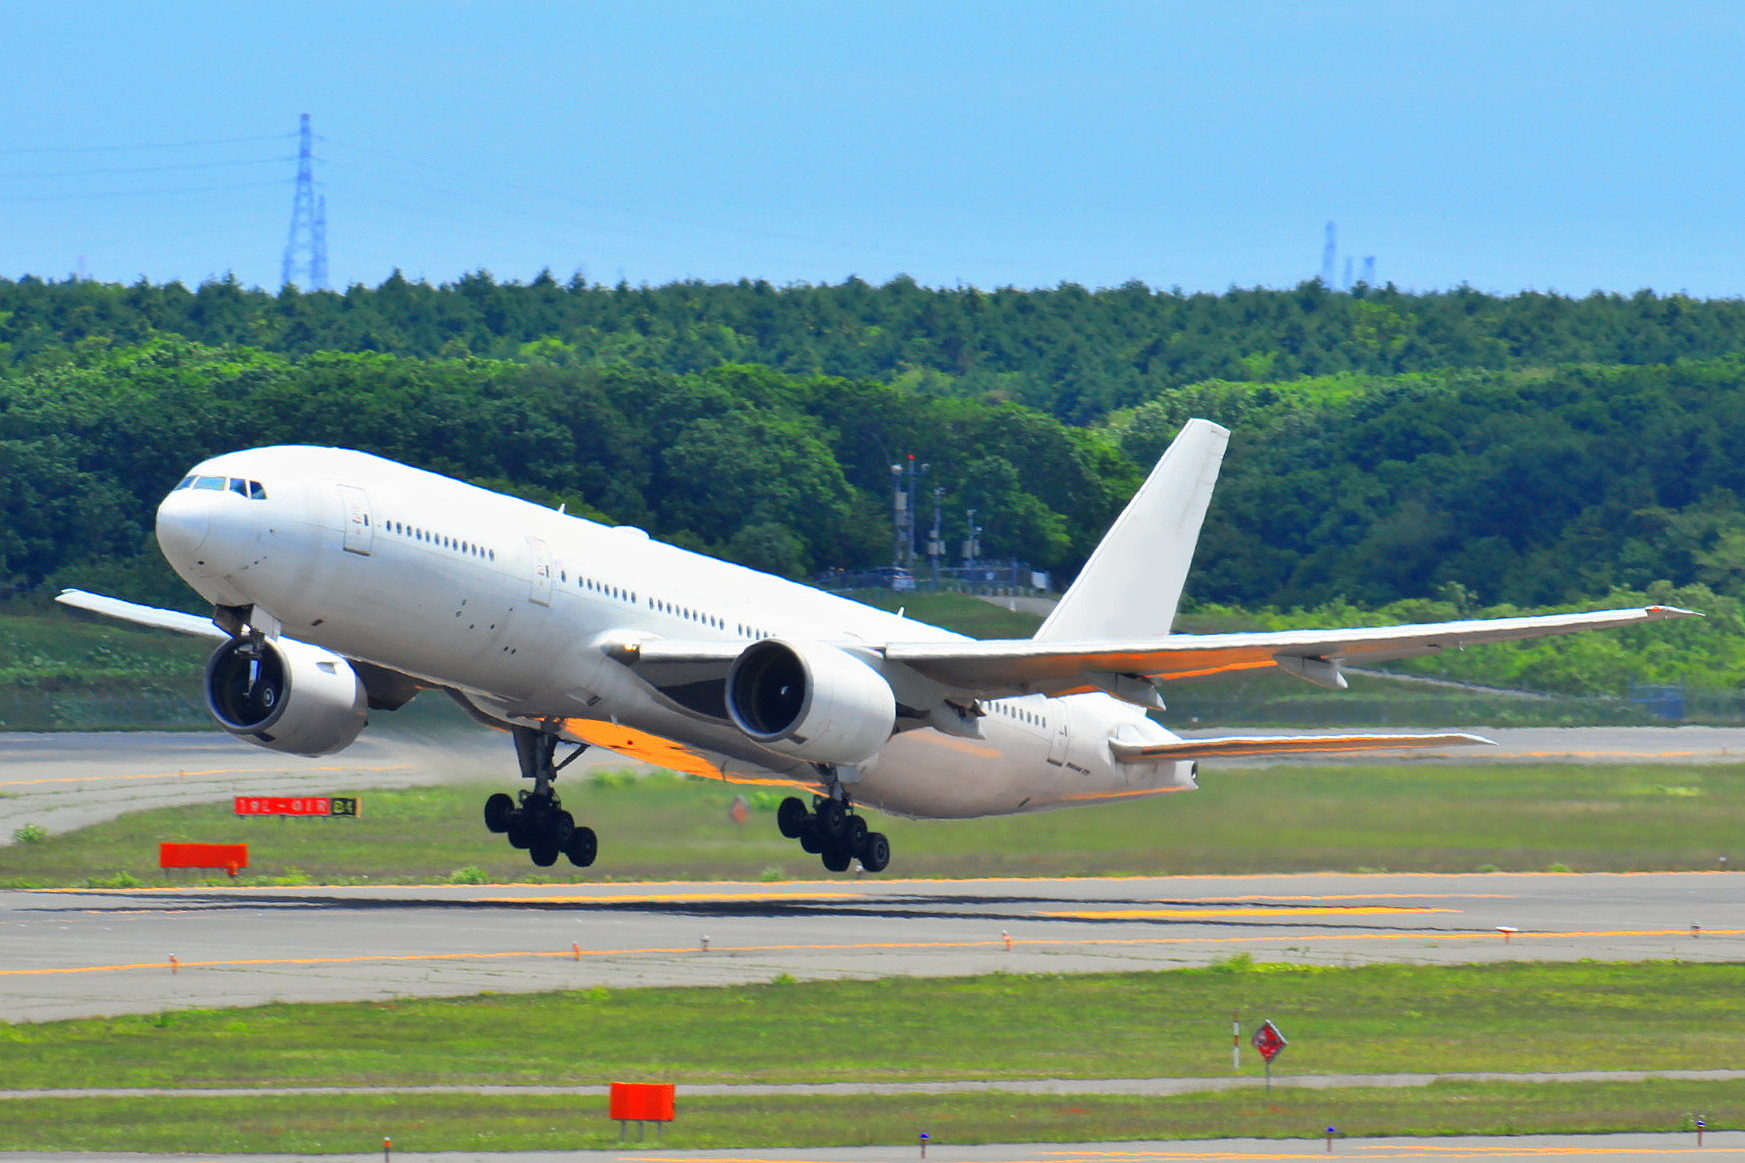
x: 837, y: 857
x: 498, y: 809
x: 520, y: 829
x: 854, y: 834
x: 874, y: 852
x: 544, y: 853
x: 811, y: 838
x: 791, y: 817
x: 563, y: 826
x: 582, y: 848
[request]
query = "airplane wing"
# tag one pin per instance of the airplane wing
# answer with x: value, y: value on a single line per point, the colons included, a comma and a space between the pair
x: 1021, y: 666
x: 143, y: 615
x: 1242, y: 745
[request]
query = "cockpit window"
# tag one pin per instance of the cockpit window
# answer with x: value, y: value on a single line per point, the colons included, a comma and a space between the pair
x: 256, y: 492
x: 216, y: 484
x: 187, y: 483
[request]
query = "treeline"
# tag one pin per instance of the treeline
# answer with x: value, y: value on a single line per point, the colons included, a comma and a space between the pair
x: 785, y: 473
x: 1070, y: 351
x: 1531, y: 488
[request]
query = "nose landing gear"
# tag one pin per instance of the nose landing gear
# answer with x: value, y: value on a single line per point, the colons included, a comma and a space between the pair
x: 831, y: 831
x: 535, y: 820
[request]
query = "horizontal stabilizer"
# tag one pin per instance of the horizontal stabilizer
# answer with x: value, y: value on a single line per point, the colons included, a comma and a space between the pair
x: 143, y: 615
x: 1236, y: 746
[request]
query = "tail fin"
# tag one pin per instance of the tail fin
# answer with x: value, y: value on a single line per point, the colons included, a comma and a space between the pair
x: 1131, y: 585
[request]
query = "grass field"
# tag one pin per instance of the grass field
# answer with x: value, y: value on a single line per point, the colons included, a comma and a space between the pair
x: 1360, y: 1020
x: 1371, y: 1019
x: 1424, y: 816
x: 356, y: 1125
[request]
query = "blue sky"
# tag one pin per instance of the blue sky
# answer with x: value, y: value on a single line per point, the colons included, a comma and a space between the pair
x: 1564, y: 146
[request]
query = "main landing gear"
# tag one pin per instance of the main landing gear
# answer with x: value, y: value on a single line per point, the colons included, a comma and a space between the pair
x: 832, y: 831
x: 538, y: 823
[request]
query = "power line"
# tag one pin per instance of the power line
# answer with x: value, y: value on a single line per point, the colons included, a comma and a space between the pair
x: 146, y: 169
x: 146, y: 145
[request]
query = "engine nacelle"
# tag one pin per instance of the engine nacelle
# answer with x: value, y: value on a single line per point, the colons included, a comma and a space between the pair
x: 286, y: 695
x: 813, y: 702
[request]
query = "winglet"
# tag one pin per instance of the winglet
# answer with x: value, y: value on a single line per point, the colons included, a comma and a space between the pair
x: 1131, y: 585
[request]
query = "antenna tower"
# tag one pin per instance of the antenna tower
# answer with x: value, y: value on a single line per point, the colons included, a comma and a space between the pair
x: 1329, y: 254
x: 306, y: 245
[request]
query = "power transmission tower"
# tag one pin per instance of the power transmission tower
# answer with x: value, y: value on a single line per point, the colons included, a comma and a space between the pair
x: 306, y: 246
x: 1329, y: 254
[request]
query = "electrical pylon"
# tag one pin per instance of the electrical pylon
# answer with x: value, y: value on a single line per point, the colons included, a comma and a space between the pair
x: 306, y: 245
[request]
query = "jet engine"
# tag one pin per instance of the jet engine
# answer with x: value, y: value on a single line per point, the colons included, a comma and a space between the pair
x: 286, y: 695
x: 810, y: 701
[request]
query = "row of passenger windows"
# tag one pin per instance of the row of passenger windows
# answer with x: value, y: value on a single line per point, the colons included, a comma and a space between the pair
x: 1019, y: 713
x: 453, y: 544
x: 610, y: 591
x: 250, y: 489
x: 686, y: 612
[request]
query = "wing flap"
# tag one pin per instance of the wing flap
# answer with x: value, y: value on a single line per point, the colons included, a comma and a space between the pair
x: 1243, y: 745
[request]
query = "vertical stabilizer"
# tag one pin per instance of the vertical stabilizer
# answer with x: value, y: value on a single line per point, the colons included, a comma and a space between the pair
x: 1132, y: 583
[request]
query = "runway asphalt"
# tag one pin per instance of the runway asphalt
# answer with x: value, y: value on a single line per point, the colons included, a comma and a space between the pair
x: 84, y: 952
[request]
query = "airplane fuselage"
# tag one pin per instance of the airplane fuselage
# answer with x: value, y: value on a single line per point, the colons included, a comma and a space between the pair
x: 510, y: 605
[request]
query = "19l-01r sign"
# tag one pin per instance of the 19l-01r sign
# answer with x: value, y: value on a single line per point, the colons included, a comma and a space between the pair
x: 297, y: 806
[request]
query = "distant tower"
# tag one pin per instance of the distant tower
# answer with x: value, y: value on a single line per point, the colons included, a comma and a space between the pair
x: 1369, y: 270
x: 1329, y: 254
x: 1346, y: 285
x: 306, y: 245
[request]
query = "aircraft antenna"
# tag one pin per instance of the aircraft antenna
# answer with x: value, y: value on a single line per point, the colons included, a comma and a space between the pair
x: 1329, y: 255
x: 306, y: 245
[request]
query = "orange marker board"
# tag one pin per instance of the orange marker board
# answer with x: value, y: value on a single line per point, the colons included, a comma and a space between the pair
x: 642, y: 1101
x: 202, y: 855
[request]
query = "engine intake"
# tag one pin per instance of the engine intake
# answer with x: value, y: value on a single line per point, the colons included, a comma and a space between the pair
x: 286, y: 695
x: 813, y: 702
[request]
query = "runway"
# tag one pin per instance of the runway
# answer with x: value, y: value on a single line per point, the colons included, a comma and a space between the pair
x: 86, y: 952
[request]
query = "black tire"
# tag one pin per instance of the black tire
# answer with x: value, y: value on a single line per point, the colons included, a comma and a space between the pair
x: 875, y: 852
x: 544, y: 853
x: 811, y: 838
x: 832, y: 820
x: 854, y: 834
x: 520, y: 829
x: 563, y: 826
x: 837, y: 857
x: 498, y: 808
x: 582, y: 848
x: 791, y: 817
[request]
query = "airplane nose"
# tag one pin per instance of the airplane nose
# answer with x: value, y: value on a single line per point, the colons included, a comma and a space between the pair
x: 183, y: 522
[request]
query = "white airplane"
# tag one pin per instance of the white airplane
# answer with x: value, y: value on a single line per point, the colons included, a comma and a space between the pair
x: 344, y: 583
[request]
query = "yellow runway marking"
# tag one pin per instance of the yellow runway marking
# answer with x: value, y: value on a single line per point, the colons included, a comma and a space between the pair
x: 666, y: 898
x: 183, y: 774
x: 1261, y: 911
x: 1361, y: 896
x: 1299, y: 938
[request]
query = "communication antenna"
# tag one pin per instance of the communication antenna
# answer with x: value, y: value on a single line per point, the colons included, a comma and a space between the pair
x: 1329, y: 254
x: 306, y: 245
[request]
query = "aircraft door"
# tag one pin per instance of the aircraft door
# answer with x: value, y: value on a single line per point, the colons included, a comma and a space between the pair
x: 1057, y: 724
x: 359, y: 532
x: 541, y: 591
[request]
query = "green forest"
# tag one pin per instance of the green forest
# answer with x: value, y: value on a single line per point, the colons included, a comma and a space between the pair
x: 1394, y: 454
